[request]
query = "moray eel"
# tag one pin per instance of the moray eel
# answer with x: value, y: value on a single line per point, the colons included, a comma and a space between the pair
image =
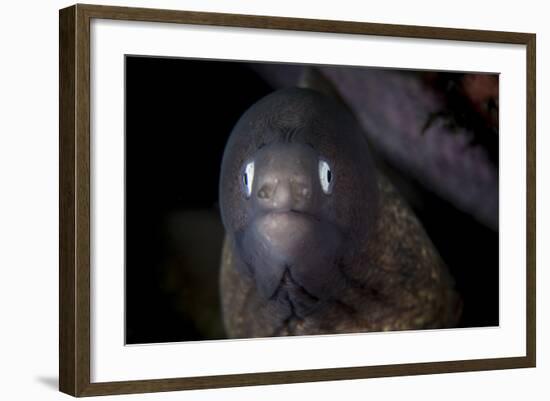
x: 317, y: 240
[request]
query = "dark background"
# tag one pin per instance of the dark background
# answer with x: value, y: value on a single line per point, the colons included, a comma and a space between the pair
x: 179, y: 114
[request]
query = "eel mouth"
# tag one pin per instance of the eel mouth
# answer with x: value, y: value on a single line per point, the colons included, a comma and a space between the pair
x: 291, y: 256
x: 285, y: 232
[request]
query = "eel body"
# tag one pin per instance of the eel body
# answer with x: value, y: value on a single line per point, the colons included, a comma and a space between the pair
x: 317, y: 240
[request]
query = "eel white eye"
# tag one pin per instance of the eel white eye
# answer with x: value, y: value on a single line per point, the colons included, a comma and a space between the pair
x: 325, y: 175
x: 248, y: 178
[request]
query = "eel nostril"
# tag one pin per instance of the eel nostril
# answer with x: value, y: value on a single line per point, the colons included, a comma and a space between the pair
x: 301, y: 191
x: 279, y: 193
x: 266, y: 190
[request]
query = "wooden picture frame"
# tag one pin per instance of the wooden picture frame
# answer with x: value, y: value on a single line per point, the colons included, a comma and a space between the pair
x: 74, y: 207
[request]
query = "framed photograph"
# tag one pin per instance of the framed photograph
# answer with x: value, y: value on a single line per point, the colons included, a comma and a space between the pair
x: 251, y: 200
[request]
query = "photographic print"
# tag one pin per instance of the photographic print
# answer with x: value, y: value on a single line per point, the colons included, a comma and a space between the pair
x: 250, y: 200
x: 272, y: 199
